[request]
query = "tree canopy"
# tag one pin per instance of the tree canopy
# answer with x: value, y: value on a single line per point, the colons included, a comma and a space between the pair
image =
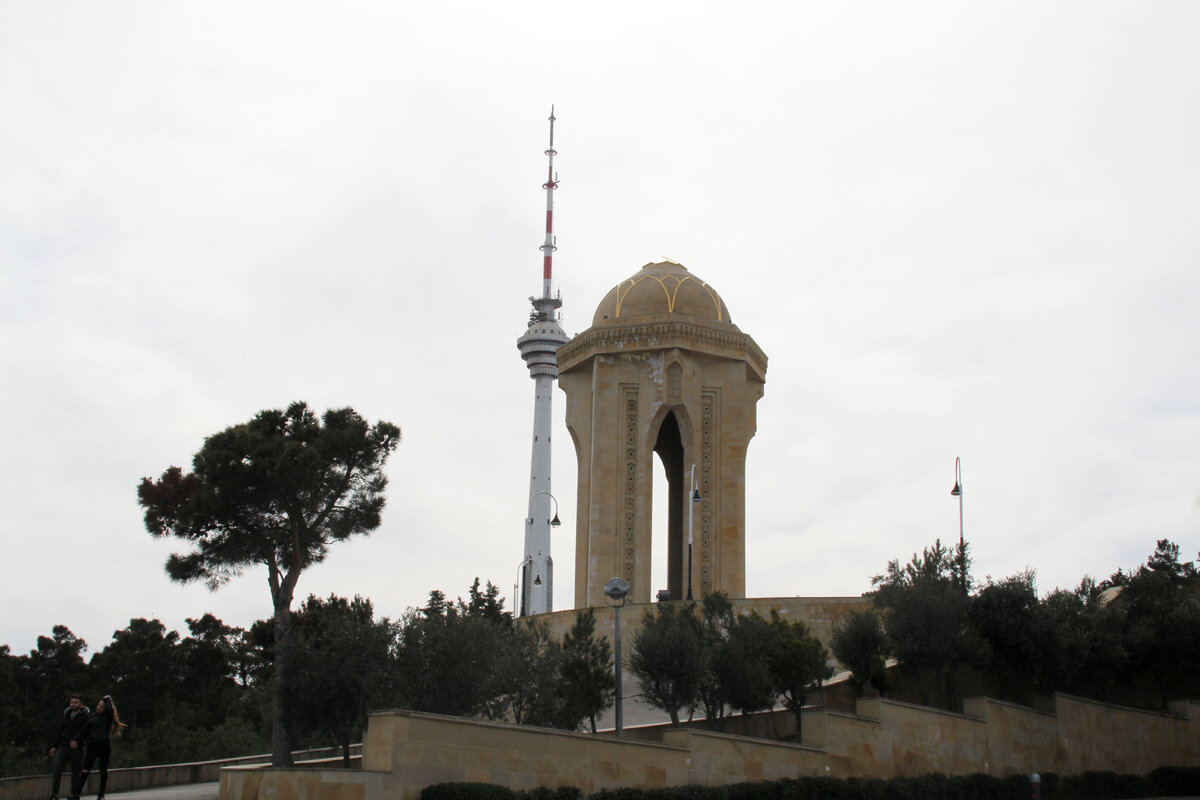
x: 276, y: 491
x: 469, y: 658
x: 343, y: 667
x: 588, y: 678
x: 1112, y: 639
x: 926, y: 620
x: 859, y: 642
x: 667, y: 656
x: 797, y: 661
x: 713, y: 658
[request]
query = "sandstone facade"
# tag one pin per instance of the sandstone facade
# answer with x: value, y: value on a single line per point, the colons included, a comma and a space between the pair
x: 661, y: 371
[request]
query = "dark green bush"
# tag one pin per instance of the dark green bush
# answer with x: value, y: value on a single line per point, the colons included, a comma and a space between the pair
x: 978, y: 786
x: 691, y: 792
x: 1175, y: 781
x: 467, y: 791
x: 866, y: 788
x: 620, y: 794
x: 1163, y: 782
x: 546, y: 793
x: 1101, y: 786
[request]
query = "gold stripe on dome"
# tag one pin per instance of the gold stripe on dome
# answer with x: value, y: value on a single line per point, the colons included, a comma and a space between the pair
x: 624, y: 288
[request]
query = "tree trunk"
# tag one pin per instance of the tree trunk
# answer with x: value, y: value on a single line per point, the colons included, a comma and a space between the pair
x: 281, y: 727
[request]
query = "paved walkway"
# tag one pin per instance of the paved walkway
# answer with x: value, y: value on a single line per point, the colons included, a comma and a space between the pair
x: 187, y: 791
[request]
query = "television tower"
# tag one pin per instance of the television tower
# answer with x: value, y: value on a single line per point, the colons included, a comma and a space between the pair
x: 538, y: 345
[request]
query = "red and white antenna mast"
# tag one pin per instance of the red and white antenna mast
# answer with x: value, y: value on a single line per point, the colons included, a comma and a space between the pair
x: 548, y: 247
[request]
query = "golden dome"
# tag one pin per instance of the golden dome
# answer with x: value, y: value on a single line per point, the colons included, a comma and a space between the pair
x: 658, y: 289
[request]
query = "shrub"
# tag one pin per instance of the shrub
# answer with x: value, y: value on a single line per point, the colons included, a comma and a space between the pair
x: 1101, y: 786
x: 1164, y: 781
x: 467, y: 791
x: 546, y: 793
x: 1175, y: 781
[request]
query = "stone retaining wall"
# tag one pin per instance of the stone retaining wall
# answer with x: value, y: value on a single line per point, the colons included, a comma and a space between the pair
x: 406, y: 751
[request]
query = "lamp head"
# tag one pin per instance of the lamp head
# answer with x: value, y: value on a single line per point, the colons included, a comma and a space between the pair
x: 616, y: 588
x: 956, y: 491
x: 554, y: 523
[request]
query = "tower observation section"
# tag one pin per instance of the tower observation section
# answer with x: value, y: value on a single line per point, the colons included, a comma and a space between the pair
x: 538, y: 345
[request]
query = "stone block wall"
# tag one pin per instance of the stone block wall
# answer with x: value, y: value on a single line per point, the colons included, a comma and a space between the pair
x: 244, y: 783
x: 888, y: 739
x: 1087, y: 735
x: 415, y: 750
x: 406, y: 751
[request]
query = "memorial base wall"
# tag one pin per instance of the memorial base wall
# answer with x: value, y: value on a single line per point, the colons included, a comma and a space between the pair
x: 405, y: 751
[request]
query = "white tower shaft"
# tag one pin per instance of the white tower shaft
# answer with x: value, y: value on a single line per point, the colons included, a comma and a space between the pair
x: 538, y: 594
x: 538, y: 347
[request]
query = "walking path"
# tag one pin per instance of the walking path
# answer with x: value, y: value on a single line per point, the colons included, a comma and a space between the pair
x: 186, y: 791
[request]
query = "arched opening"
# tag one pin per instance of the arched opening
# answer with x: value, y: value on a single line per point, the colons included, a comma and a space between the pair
x: 659, y: 500
x: 669, y: 448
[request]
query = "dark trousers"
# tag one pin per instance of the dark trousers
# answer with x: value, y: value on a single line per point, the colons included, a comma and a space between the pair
x: 95, y: 750
x: 63, y: 754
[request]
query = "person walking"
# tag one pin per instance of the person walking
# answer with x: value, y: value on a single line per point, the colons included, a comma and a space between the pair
x: 67, y: 746
x: 102, y: 727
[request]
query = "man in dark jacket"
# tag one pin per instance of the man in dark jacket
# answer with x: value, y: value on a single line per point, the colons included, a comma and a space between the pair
x: 68, y: 743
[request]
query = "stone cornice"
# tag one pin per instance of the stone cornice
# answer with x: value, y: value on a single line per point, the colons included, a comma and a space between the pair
x: 663, y: 335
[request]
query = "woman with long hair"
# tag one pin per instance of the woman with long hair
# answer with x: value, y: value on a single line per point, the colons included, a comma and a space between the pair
x: 103, y: 725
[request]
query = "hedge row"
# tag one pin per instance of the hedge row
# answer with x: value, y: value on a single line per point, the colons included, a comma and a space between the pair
x: 1162, y: 782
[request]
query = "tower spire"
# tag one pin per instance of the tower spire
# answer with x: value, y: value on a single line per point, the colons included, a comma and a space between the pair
x: 548, y: 247
x: 538, y: 346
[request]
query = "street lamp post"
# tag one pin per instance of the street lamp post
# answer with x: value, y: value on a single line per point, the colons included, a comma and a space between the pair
x: 554, y: 523
x: 695, y: 495
x: 615, y: 590
x: 518, y: 605
x: 957, y: 491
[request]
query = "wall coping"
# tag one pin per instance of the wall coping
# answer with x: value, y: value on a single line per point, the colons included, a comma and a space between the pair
x: 855, y: 717
x: 1009, y: 704
x: 289, y: 770
x: 919, y: 707
x: 527, y: 729
x: 785, y: 597
x: 753, y: 739
x: 1102, y: 704
x: 305, y: 766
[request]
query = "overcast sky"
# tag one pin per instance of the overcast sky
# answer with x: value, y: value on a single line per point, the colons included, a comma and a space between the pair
x: 955, y: 229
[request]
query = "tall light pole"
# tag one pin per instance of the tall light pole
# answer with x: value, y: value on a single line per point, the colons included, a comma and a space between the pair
x: 518, y: 608
x: 695, y: 495
x: 615, y: 590
x: 957, y: 491
x: 553, y: 523
x: 521, y: 605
